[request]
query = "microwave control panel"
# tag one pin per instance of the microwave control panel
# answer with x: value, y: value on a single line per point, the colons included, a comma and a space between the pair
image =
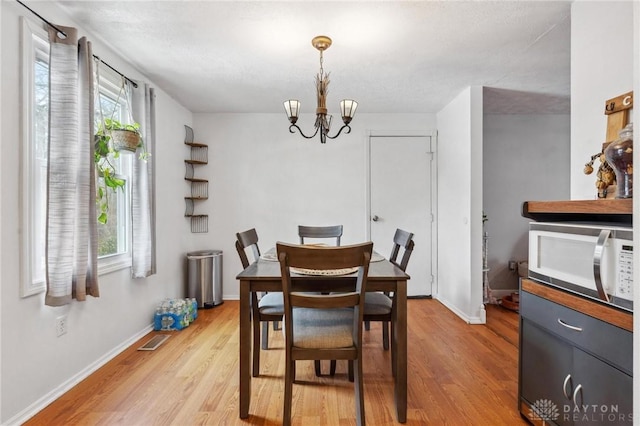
x: 625, y: 272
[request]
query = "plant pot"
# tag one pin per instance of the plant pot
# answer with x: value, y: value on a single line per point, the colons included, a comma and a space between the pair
x: 125, y: 140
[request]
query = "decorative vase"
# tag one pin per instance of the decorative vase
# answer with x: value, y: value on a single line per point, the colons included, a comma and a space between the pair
x: 619, y: 155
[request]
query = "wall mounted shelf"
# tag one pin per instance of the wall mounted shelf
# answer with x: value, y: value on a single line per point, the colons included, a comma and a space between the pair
x: 198, y: 156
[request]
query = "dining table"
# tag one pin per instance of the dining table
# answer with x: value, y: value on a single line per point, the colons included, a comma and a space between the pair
x: 264, y: 276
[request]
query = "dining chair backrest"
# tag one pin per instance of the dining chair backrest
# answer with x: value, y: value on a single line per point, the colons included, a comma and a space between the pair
x: 334, y: 231
x: 248, y: 238
x: 402, y: 239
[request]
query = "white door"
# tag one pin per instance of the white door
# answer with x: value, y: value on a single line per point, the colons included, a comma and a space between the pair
x: 400, y: 192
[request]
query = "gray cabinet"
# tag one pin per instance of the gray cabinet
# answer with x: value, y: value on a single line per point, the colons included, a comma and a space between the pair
x: 575, y: 369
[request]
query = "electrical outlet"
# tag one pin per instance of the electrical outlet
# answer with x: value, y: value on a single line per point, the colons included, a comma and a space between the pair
x: 61, y: 325
x: 512, y: 265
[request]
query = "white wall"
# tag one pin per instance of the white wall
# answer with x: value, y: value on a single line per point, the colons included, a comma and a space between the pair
x: 37, y: 365
x: 261, y: 176
x: 601, y: 69
x: 459, y: 154
x: 525, y: 157
x: 605, y: 63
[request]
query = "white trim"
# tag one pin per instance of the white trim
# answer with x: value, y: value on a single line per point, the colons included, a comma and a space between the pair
x: 434, y: 212
x: 27, y: 287
x: 64, y: 387
x: 482, y: 319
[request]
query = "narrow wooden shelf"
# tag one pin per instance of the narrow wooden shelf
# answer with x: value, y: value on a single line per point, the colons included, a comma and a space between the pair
x: 607, y: 210
x: 196, y: 144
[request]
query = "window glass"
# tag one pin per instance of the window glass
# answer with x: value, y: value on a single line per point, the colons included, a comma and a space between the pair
x: 37, y: 158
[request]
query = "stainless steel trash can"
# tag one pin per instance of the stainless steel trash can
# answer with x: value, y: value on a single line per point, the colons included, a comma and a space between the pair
x: 204, y: 281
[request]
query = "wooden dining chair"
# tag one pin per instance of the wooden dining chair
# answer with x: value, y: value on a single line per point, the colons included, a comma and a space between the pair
x: 269, y: 307
x: 316, y: 233
x: 320, y: 232
x: 378, y: 305
x: 323, y: 326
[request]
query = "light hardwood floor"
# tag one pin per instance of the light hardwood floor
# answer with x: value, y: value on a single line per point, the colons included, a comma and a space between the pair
x: 458, y: 374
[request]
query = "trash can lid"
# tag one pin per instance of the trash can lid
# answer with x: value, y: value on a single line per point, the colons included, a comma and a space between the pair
x: 202, y: 253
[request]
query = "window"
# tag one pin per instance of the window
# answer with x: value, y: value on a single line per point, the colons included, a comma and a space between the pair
x: 114, y: 238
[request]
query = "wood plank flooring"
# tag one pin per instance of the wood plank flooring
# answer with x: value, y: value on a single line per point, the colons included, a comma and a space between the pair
x: 459, y: 374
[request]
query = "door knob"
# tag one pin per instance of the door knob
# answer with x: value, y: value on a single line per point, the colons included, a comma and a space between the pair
x: 375, y: 218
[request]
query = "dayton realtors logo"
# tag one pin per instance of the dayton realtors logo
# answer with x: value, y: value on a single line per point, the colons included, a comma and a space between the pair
x: 546, y: 410
x: 598, y: 414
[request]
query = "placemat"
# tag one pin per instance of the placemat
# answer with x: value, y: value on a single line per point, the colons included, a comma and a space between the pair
x: 324, y: 272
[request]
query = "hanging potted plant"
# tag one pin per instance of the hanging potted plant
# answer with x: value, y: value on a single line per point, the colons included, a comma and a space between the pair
x: 111, y: 138
x: 104, y: 159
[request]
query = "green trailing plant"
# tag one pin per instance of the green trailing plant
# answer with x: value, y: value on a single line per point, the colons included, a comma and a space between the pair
x: 104, y: 159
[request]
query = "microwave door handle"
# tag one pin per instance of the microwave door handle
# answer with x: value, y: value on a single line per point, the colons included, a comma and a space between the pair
x: 597, y: 263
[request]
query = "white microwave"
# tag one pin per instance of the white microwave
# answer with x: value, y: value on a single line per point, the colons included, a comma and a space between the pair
x: 593, y: 260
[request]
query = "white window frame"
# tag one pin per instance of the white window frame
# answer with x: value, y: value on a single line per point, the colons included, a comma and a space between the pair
x: 28, y: 286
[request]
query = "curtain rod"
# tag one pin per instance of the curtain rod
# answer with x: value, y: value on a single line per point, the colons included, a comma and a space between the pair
x: 115, y: 70
x: 63, y: 35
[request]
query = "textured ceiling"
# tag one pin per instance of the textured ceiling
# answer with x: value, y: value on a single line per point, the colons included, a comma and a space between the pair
x: 391, y: 56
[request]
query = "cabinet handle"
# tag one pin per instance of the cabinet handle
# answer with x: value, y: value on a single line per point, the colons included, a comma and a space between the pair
x: 571, y: 327
x: 575, y: 395
x: 564, y: 387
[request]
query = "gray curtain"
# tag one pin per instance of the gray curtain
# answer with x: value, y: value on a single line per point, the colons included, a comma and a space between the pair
x: 71, y: 240
x: 143, y: 205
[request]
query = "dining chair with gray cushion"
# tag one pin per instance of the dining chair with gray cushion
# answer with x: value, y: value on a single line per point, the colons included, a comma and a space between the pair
x: 269, y: 307
x: 324, y: 326
x: 378, y: 305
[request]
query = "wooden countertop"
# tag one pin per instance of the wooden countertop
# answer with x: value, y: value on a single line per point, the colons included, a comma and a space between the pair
x: 606, y: 210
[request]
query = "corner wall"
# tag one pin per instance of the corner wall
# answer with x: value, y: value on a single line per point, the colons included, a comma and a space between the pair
x: 459, y: 154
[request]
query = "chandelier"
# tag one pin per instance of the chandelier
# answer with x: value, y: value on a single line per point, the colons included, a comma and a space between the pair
x: 323, y: 121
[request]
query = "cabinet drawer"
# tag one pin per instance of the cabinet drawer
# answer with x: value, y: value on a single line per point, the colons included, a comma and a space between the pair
x: 606, y: 341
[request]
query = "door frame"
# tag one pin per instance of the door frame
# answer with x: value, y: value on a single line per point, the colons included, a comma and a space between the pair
x: 433, y: 193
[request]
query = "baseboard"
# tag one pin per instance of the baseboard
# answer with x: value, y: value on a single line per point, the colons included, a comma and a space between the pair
x: 482, y: 319
x: 64, y: 387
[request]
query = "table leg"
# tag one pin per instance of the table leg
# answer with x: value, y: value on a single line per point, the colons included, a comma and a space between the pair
x: 245, y: 349
x: 400, y: 345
